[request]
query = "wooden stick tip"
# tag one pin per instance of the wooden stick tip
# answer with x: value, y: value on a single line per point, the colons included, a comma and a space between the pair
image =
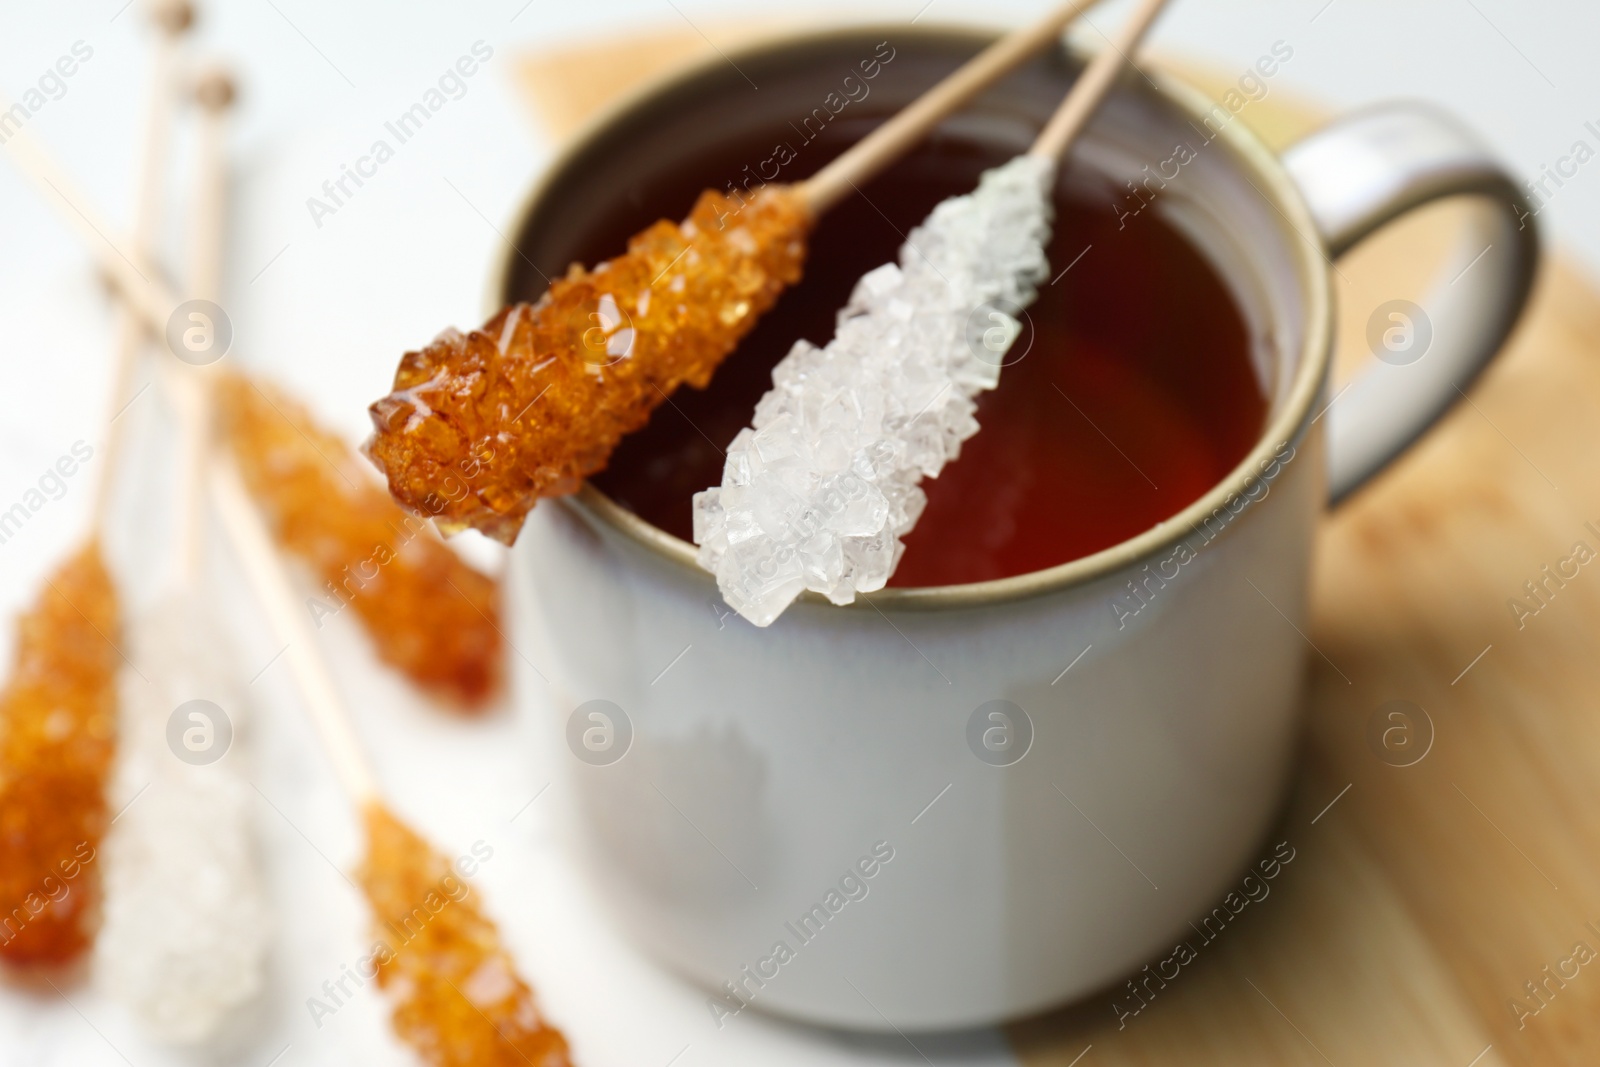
x: 215, y: 89
x: 172, y: 16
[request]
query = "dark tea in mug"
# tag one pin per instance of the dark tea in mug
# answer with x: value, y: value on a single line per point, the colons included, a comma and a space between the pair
x: 1129, y: 393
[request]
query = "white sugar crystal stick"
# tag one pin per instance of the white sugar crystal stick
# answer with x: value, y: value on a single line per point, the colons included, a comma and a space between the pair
x: 819, y: 491
x: 185, y: 917
x: 186, y: 920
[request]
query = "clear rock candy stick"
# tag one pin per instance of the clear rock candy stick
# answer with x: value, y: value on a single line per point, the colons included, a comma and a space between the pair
x: 819, y: 490
x: 186, y: 921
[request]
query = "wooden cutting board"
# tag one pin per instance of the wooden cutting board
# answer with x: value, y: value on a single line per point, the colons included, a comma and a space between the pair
x: 1422, y: 899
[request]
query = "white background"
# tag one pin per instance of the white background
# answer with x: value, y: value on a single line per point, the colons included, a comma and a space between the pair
x: 328, y: 309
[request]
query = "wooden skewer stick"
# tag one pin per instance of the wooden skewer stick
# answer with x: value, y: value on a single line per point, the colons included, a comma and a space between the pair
x: 821, y: 191
x: 145, y: 290
x: 1094, y: 83
x: 215, y: 468
x: 867, y: 157
x: 214, y: 93
x: 171, y: 20
x: 248, y: 534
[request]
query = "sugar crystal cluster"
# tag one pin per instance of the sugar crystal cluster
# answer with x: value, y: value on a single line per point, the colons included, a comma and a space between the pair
x: 459, y: 1001
x: 186, y: 921
x: 481, y: 425
x: 818, y: 491
x: 430, y: 615
x: 57, y: 740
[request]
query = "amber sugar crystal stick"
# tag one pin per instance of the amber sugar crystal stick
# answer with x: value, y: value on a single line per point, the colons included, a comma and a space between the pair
x: 481, y: 425
x: 429, y: 614
x: 58, y: 710
x: 57, y: 740
x: 458, y: 1000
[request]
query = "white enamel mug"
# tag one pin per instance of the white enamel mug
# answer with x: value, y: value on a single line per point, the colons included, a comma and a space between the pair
x: 945, y: 807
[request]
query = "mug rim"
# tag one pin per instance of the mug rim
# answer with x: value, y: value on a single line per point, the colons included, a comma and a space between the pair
x: 1292, y: 218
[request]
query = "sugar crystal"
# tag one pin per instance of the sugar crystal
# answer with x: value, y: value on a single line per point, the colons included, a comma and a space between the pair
x: 186, y: 923
x: 58, y: 734
x: 818, y: 493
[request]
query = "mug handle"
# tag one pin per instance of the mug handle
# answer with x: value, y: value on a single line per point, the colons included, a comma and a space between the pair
x: 1359, y: 174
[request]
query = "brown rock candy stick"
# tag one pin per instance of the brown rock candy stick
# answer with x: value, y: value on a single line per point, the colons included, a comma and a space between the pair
x: 458, y: 999
x: 57, y: 740
x: 429, y: 614
x: 58, y: 709
x: 481, y: 425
